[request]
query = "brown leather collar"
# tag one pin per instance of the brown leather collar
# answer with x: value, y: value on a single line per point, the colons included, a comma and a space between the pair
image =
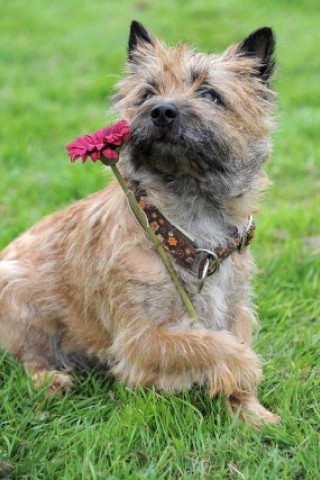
x: 185, y: 251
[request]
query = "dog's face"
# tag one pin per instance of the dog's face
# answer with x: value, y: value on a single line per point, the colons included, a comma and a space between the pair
x: 197, y: 114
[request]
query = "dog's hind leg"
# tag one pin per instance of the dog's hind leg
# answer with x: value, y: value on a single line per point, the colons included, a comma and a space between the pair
x: 45, y: 362
x: 25, y: 334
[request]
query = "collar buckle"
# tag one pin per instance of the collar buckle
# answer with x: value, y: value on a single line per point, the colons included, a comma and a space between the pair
x: 211, y: 264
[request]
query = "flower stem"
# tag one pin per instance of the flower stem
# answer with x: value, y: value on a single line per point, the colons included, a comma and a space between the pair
x: 141, y: 216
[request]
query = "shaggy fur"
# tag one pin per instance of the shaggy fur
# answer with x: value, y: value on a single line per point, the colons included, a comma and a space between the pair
x: 87, y: 283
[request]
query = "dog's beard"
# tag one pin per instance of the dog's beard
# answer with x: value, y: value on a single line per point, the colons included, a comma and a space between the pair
x: 177, y: 149
x: 189, y: 144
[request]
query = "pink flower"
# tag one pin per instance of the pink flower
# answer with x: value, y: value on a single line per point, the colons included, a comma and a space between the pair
x: 102, y: 142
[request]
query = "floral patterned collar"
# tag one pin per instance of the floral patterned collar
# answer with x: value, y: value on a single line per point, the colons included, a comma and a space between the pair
x: 184, y: 250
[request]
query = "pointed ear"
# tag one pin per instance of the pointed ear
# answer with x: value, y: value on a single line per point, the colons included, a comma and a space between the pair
x: 138, y: 34
x: 260, y: 44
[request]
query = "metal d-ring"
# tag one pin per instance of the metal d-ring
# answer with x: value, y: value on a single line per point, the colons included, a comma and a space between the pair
x: 244, y: 237
x: 206, y: 271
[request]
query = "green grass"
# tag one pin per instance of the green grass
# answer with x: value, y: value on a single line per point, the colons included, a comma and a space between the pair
x: 59, y: 60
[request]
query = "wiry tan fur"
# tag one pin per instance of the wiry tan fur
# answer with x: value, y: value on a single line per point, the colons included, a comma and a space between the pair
x: 86, y: 282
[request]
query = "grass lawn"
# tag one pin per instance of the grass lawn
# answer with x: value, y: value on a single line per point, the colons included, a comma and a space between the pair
x: 59, y: 60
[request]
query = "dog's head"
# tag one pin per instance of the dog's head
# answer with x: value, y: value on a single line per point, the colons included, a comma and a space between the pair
x: 198, y: 114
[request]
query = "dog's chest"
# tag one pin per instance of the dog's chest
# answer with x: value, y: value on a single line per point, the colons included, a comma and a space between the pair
x: 222, y: 292
x: 217, y: 301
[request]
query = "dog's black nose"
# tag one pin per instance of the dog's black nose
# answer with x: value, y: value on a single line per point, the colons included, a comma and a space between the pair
x: 163, y: 114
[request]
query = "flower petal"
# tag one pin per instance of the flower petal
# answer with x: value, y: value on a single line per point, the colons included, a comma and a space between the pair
x: 95, y: 156
x: 109, y: 153
x: 100, y: 142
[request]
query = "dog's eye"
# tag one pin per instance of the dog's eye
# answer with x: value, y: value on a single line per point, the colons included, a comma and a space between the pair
x: 212, y: 96
x: 148, y: 96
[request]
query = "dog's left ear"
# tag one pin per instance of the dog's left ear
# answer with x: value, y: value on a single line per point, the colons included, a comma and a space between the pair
x: 260, y: 44
x: 138, y: 35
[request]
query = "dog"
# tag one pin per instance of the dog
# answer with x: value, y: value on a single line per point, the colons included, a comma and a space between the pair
x: 87, y: 283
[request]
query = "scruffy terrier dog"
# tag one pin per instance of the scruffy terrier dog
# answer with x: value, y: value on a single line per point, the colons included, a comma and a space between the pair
x: 87, y: 283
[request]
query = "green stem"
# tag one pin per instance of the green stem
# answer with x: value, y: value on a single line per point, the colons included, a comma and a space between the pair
x: 141, y: 216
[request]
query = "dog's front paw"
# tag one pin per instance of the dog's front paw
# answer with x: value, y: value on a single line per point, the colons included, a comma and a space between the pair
x: 249, y: 409
x: 237, y: 371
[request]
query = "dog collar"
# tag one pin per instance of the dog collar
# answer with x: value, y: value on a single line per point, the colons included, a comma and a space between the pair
x: 182, y: 247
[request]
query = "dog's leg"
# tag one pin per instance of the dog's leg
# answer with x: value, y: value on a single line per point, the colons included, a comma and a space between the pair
x: 22, y: 331
x: 45, y: 362
x: 38, y: 359
x: 56, y: 381
x: 251, y: 409
x: 41, y: 357
x: 169, y: 358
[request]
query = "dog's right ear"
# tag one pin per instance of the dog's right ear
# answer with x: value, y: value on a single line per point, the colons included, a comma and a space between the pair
x: 138, y: 34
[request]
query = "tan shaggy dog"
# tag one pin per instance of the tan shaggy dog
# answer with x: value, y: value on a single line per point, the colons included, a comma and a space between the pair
x: 86, y: 283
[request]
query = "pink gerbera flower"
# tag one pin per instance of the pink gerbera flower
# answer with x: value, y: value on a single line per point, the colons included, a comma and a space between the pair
x: 102, y: 142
